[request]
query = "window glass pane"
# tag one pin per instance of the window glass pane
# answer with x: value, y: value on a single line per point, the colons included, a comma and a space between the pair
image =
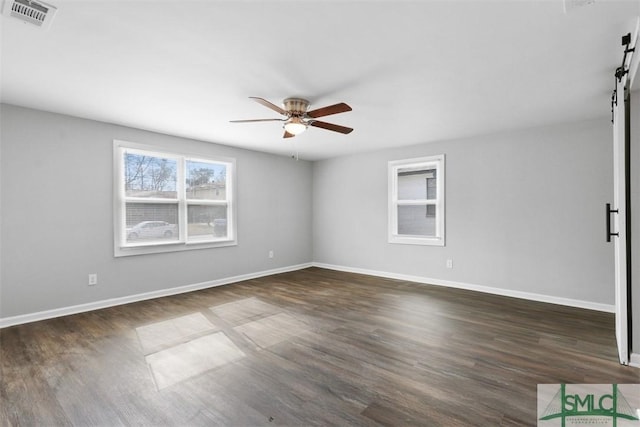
x: 149, y: 176
x: 149, y: 222
x: 206, y: 181
x: 207, y: 221
x: 417, y: 220
x: 417, y: 184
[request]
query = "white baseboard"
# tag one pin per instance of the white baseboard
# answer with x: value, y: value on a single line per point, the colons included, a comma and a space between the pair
x: 609, y: 308
x: 634, y: 360
x: 81, y: 308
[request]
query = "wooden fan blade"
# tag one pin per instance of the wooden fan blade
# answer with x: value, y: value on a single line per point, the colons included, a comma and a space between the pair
x: 268, y: 104
x: 287, y: 135
x: 257, y: 120
x: 330, y: 126
x: 327, y: 111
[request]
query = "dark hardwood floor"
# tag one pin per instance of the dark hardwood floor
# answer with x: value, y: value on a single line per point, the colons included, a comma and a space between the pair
x: 311, y: 347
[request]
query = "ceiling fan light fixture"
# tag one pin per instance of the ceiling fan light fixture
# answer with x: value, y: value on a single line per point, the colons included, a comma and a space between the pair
x: 295, y: 126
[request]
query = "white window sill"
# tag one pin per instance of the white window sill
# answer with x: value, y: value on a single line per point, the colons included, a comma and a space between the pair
x: 170, y: 247
x: 416, y: 240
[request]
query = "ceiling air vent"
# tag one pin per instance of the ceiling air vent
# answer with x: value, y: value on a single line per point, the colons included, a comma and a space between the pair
x: 34, y: 12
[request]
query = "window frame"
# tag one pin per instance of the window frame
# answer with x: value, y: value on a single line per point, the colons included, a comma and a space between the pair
x: 120, y: 200
x: 436, y: 162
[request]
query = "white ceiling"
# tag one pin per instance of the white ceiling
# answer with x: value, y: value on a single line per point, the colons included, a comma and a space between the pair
x: 413, y: 71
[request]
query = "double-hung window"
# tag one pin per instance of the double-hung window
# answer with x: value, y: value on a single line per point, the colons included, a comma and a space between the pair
x: 416, y: 201
x: 169, y: 201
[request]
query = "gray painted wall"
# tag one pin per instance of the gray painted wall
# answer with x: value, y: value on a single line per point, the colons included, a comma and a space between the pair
x: 57, y: 215
x: 524, y: 212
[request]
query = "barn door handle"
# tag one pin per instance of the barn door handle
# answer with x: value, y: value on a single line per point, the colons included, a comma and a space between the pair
x: 609, y: 212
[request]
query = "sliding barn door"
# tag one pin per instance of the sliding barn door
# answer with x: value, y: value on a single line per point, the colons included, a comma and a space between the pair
x: 617, y: 217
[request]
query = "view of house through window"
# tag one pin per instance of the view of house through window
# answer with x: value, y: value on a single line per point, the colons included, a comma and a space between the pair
x: 171, y: 199
x: 206, y: 187
x: 415, y: 185
x: 416, y: 201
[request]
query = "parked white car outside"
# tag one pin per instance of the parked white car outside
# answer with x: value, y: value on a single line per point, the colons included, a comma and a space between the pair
x: 151, y: 230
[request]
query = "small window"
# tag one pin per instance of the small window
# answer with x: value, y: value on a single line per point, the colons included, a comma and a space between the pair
x: 416, y: 201
x: 166, y: 201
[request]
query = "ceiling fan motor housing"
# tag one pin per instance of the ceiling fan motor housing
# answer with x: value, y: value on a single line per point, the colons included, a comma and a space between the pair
x: 296, y: 106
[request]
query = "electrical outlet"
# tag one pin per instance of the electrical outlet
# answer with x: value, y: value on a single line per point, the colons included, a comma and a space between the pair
x: 270, y: 254
x: 449, y: 263
x: 93, y: 279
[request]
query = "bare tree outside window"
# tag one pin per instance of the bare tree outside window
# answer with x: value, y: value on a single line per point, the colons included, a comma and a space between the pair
x: 149, y: 176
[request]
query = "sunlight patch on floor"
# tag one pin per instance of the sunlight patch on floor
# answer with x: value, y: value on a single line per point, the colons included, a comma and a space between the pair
x: 272, y: 330
x: 192, y: 358
x: 159, y: 335
x: 244, y: 310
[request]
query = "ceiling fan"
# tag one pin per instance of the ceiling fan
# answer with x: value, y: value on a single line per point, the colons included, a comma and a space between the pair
x: 297, y: 118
